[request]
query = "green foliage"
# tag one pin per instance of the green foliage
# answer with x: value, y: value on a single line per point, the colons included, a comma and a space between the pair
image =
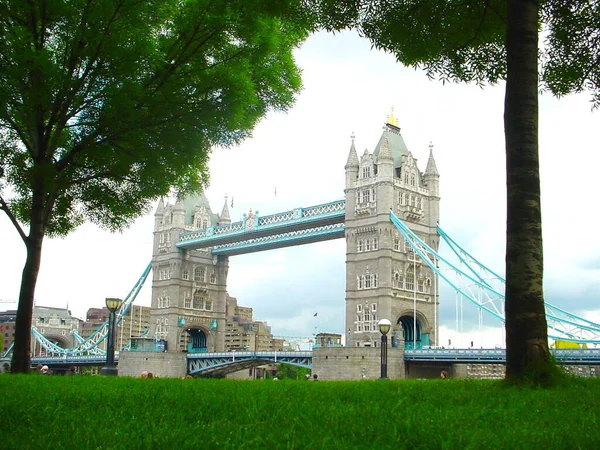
x: 97, y: 412
x: 107, y: 105
x: 573, y: 43
x: 291, y: 372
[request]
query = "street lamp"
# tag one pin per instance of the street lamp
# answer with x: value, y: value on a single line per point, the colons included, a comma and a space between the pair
x: 384, y: 327
x: 112, y: 304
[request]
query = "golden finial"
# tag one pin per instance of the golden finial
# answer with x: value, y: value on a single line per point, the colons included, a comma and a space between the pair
x: 391, y: 119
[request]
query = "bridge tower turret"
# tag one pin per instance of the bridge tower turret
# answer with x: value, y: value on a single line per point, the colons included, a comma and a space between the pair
x: 383, y: 279
x: 189, y: 287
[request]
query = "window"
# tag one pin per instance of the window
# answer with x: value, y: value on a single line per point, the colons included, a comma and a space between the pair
x: 360, y: 246
x: 164, y: 273
x: 199, y: 274
x: 375, y: 244
x: 397, y: 243
x: 213, y: 278
x: 405, y: 177
x: 368, y: 245
x: 198, y: 301
x: 412, y: 179
x: 208, y: 305
x: 374, y: 307
x: 359, y: 308
x: 163, y: 301
x: 187, y: 301
x: 367, y: 282
x: 360, y: 280
x: 366, y: 172
x: 398, y: 281
x: 185, y: 274
x: 366, y: 194
x: 410, y: 279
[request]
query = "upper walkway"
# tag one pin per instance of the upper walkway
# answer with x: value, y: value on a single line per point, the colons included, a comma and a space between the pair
x: 256, y: 233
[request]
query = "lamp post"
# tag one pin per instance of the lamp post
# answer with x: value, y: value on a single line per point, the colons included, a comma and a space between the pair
x: 384, y: 327
x: 109, y: 369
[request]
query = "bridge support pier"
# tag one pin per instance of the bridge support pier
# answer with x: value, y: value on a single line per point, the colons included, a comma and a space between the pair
x: 162, y: 364
x: 356, y: 363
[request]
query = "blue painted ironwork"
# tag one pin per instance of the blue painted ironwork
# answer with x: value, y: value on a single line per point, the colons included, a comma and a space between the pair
x: 478, y: 290
x: 90, y: 345
x: 590, y: 356
x: 297, y: 237
x: 259, y: 226
x: 219, y: 364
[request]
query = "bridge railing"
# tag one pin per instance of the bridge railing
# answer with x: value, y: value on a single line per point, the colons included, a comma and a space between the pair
x: 254, y: 223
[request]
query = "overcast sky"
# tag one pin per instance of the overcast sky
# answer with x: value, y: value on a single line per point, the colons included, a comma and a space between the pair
x: 349, y: 88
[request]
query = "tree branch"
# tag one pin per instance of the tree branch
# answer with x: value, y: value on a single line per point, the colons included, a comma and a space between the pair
x: 4, y: 207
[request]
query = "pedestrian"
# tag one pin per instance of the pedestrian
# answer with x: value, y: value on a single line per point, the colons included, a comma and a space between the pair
x: 315, y: 377
x: 45, y: 370
x: 443, y: 374
x: 39, y: 368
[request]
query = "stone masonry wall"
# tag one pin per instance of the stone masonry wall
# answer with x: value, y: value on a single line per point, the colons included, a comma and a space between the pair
x: 356, y: 363
x: 162, y: 364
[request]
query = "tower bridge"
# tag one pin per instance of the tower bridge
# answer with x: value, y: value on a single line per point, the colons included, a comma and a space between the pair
x: 389, y: 218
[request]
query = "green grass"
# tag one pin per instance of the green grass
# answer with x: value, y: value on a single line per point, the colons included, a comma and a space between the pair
x: 84, y: 412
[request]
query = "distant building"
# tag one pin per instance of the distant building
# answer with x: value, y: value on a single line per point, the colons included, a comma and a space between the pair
x: 55, y: 324
x: 133, y: 324
x: 7, y: 327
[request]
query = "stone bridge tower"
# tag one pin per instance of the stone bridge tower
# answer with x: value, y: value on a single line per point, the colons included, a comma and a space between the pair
x: 384, y: 280
x: 188, y: 286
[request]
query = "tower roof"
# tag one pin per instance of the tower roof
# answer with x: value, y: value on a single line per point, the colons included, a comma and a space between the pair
x: 160, y: 209
x: 431, y: 168
x: 224, y: 217
x: 385, y: 152
x: 396, y: 144
x: 352, y: 155
x: 190, y: 203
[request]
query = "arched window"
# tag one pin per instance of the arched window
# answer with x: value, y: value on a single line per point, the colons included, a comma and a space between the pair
x: 204, y: 223
x: 398, y: 280
x: 199, y: 274
x: 412, y: 179
x: 359, y: 281
x: 198, y: 302
x: 187, y: 300
x: 397, y: 243
x: 410, y: 279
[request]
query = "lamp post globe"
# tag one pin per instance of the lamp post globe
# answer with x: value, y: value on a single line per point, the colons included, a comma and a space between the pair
x: 112, y: 304
x: 384, y: 326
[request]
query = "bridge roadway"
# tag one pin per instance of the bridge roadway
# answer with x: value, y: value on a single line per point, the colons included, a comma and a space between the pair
x: 201, y: 364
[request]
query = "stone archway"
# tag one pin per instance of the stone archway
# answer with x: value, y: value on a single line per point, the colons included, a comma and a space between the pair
x: 414, y: 332
x: 197, y: 341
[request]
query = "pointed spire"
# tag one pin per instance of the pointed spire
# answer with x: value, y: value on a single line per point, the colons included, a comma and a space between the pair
x: 160, y: 209
x: 352, y: 156
x: 224, y: 218
x: 391, y: 119
x: 431, y: 168
x: 179, y: 204
x: 385, y: 153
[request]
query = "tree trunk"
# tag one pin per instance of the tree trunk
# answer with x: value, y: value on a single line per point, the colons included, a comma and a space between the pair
x: 526, y: 327
x: 21, y: 360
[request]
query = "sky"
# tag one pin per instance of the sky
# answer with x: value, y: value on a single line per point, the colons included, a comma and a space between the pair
x: 297, y: 159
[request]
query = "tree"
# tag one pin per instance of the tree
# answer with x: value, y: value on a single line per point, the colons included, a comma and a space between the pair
x: 484, y: 41
x: 107, y: 105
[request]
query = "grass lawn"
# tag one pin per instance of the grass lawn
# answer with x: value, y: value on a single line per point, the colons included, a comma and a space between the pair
x: 92, y: 412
